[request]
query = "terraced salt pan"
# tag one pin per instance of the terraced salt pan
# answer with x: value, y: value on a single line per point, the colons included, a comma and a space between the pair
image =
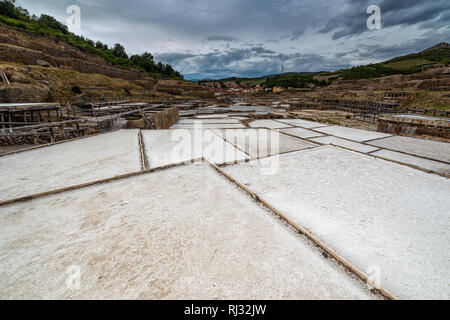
x: 69, y: 163
x: 352, y: 134
x: 213, y: 116
x: 426, y: 148
x: 301, y: 133
x: 163, y: 147
x: 208, y: 121
x: 257, y: 109
x: 268, y: 124
x: 345, y: 143
x: 303, y: 123
x: 181, y: 233
x: 209, y: 126
x: 375, y: 213
x: 239, y: 108
x: 240, y: 118
x: 416, y: 161
x: 259, y: 143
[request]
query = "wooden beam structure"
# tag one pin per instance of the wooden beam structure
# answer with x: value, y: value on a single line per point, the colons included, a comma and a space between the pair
x: 25, y: 132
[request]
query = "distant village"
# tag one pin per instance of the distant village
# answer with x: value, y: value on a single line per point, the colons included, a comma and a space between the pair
x: 235, y: 87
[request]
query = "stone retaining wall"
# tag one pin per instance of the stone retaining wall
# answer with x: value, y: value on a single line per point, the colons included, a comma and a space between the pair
x: 25, y: 56
x: 414, y: 126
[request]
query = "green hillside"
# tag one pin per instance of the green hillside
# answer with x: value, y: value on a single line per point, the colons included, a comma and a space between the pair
x: 408, y: 64
x: 20, y: 18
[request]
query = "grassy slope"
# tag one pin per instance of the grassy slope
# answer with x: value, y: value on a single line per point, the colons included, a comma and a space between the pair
x: 401, y: 65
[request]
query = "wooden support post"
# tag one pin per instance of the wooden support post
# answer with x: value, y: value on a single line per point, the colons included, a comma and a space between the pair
x: 61, y: 132
x: 2, y: 119
x: 52, y: 135
x: 5, y: 78
x: 9, y: 119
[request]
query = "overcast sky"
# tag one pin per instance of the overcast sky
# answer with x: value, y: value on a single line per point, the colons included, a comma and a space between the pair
x: 216, y: 39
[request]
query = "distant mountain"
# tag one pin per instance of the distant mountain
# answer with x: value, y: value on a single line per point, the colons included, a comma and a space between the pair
x: 408, y: 64
x: 262, y: 78
x: 439, y: 46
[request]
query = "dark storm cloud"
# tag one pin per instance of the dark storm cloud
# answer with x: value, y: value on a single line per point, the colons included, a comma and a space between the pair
x: 212, y: 38
x: 250, y: 62
x: 297, y: 34
x: 351, y: 19
x: 427, y: 40
x: 221, y: 38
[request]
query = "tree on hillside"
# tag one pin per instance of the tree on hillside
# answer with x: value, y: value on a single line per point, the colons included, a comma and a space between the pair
x: 7, y: 8
x: 23, y: 11
x: 119, y: 51
x: 168, y: 70
x: 144, y: 61
x: 160, y: 67
x: 52, y: 23
x: 101, y: 46
x: 90, y: 42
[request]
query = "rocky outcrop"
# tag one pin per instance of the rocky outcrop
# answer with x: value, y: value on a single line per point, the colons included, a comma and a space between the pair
x: 24, y: 93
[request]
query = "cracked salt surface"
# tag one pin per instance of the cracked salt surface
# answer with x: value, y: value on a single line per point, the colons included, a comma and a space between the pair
x: 372, y: 212
x: 301, y: 133
x: 181, y: 233
x: 205, y: 125
x: 163, y: 147
x: 416, y: 161
x: 426, y: 148
x: 345, y: 143
x: 352, y: 134
x: 208, y: 121
x: 259, y: 143
x: 304, y: 123
x: 69, y: 163
x: 268, y: 124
